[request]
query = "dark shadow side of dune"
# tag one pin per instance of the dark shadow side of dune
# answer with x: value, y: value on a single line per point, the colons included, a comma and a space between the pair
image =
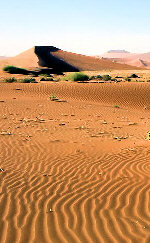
x: 51, y: 63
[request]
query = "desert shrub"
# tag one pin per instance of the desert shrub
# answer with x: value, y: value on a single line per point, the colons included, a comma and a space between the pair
x: 28, y: 80
x: 77, y: 77
x: 118, y: 77
x: 106, y: 77
x: 134, y: 76
x: 128, y: 79
x: 10, y: 80
x: 45, y: 75
x: 114, y: 79
x: 15, y: 70
x: 116, y: 106
x: 46, y: 79
x: 99, y: 77
x: 92, y: 77
x: 96, y: 77
x: 53, y: 97
x: 148, y: 80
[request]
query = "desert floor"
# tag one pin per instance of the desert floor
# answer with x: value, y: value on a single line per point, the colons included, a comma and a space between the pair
x: 77, y: 170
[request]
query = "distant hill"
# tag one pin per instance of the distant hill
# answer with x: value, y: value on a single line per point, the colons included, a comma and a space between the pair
x: 141, y: 60
x: 61, y: 61
x: 118, y: 51
x: 3, y: 57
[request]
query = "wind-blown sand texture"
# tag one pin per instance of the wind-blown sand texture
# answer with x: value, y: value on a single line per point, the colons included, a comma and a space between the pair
x: 74, y: 171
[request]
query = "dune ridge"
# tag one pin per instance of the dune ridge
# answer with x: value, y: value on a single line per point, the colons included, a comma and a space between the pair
x: 61, y: 61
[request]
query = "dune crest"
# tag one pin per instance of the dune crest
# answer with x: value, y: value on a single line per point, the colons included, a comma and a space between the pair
x: 62, y: 61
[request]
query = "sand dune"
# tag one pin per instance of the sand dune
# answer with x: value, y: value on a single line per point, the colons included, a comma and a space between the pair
x: 74, y: 171
x: 61, y: 61
x: 26, y: 59
x: 3, y: 57
x: 133, y: 59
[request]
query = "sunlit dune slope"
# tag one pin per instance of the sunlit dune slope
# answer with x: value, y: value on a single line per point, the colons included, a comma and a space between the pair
x: 54, y: 58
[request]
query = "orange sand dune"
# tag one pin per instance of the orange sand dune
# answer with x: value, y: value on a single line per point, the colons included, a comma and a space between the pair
x: 42, y: 56
x: 76, y: 170
x: 26, y: 59
x: 133, y: 59
x: 89, y: 63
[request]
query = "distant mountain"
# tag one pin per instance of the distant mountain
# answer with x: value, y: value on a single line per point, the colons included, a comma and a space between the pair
x: 118, y: 51
x: 141, y: 60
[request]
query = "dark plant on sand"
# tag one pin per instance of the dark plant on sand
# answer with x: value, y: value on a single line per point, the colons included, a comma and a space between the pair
x: 15, y: 70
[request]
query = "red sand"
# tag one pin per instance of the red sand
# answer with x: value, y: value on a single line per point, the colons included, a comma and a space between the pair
x: 133, y: 59
x: 28, y: 59
x: 74, y: 171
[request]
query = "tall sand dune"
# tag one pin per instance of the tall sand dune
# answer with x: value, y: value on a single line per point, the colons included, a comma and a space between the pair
x: 74, y: 171
x: 61, y: 61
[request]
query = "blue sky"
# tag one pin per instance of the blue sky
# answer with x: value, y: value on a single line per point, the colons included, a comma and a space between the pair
x: 82, y: 26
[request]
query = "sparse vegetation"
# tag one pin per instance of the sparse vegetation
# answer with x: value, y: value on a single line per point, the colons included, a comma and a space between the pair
x: 10, y: 80
x: 128, y: 79
x: 15, y: 70
x: 46, y: 79
x: 106, y: 77
x: 45, y: 75
x: 92, y: 77
x: 134, y: 76
x: 99, y: 77
x: 77, y: 77
x: 116, y: 106
x: 96, y: 77
x: 53, y: 97
x: 28, y: 80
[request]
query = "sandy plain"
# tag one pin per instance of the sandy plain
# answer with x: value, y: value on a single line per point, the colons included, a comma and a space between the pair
x: 77, y: 170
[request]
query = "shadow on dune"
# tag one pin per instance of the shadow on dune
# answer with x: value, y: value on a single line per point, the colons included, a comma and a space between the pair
x: 53, y: 64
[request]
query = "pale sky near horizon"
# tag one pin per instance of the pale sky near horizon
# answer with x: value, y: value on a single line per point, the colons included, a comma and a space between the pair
x: 81, y: 26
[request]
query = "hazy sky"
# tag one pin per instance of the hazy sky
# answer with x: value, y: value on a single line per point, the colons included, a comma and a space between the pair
x: 82, y: 26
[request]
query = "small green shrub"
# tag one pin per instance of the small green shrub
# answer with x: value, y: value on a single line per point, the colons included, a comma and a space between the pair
x: 116, y: 106
x: 99, y: 77
x: 106, y: 77
x: 128, y: 79
x: 96, y: 77
x: 10, y: 80
x: 53, y: 97
x: 92, y: 77
x: 77, y: 77
x: 45, y: 75
x: 134, y: 76
x: 28, y: 80
x: 15, y: 70
x: 46, y: 79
